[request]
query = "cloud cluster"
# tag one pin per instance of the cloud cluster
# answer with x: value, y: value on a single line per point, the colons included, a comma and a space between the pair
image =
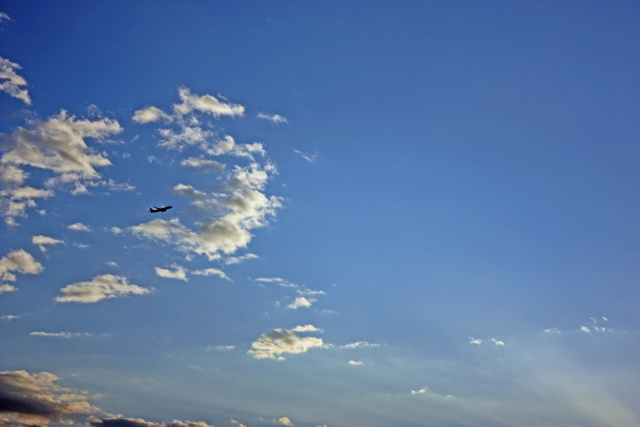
x: 36, y: 399
x: 58, y: 146
x: 282, y: 341
x: 230, y: 215
x: 101, y: 287
x: 10, y: 81
x: 19, y: 261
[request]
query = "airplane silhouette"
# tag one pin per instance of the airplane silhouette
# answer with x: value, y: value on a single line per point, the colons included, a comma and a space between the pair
x: 156, y: 209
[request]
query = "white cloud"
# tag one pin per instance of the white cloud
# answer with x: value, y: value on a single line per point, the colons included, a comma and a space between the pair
x: 101, y: 287
x: 242, y: 207
x: 10, y: 317
x: 37, y: 399
x: 19, y: 261
x: 306, y: 328
x: 275, y: 118
x: 301, y: 302
x: 78, y: 226
x: 282, y: 341
x: 238, y: 260
x: 359, y: 344
x: 206, y: 104
x: 480, y: 341
x: 200, y: 163
x: 220, y: 348
x: 10, y: 81
x: 61, y: 334
x: 553, y: 331
x: 211, y: 272
x: 7, y: 288
x: 355, y: 363
x: 585, y: 329
x: 43, y: 241
x: 311, y: 158
x: 150, y: 114
x: 57, y: 146
x: 285, y: 421
x: 178, y: 272
x: 4, y: 17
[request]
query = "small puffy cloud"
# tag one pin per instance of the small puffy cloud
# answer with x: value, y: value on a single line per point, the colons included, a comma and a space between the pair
x: 7, y: 288
x: 211, y: 272
x: 19, y: 261
x: 31, y: 399
x: 43, y: 241
x: 585, y: 329
x: 206, y: 104
x: 101, y: 287
x: 10, y: 81
x: 300, y: 302
x: 150, y: 114
x: 275, y: 118
x: 178, y: 272
x: 78, y: 226
x: 282, y: 341
x: 497, y: 342
x: 553, y: 331
x: 138, y: 422
x: 355, y: 363
x: 285, y: 421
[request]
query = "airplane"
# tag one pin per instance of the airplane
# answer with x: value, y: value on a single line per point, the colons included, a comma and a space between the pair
x: 156, y: 209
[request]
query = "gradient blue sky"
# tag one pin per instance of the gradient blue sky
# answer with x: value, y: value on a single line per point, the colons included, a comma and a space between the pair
x: 384, y: 213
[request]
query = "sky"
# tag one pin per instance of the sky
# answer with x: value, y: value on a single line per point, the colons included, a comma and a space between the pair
x: 383, y: 213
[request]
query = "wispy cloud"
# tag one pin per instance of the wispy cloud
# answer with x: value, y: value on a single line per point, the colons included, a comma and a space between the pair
x: 61, y: 334
x: 355, y: 363
x: 138, y: 422
x: 211, y: 272
x: 10, y: 81
x: 177, y: 272
x: 101, y: 287
x: 480, y: 341
x: 220, y: 348
x: 43, y: 241
x: 273, y: 118
x: 359, y: 344
x: 311, y: 158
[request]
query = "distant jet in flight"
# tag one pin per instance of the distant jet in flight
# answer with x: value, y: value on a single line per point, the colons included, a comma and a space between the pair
x: 156, y: 209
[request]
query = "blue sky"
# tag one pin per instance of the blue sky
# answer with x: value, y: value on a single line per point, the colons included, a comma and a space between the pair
x: 384, y: 213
